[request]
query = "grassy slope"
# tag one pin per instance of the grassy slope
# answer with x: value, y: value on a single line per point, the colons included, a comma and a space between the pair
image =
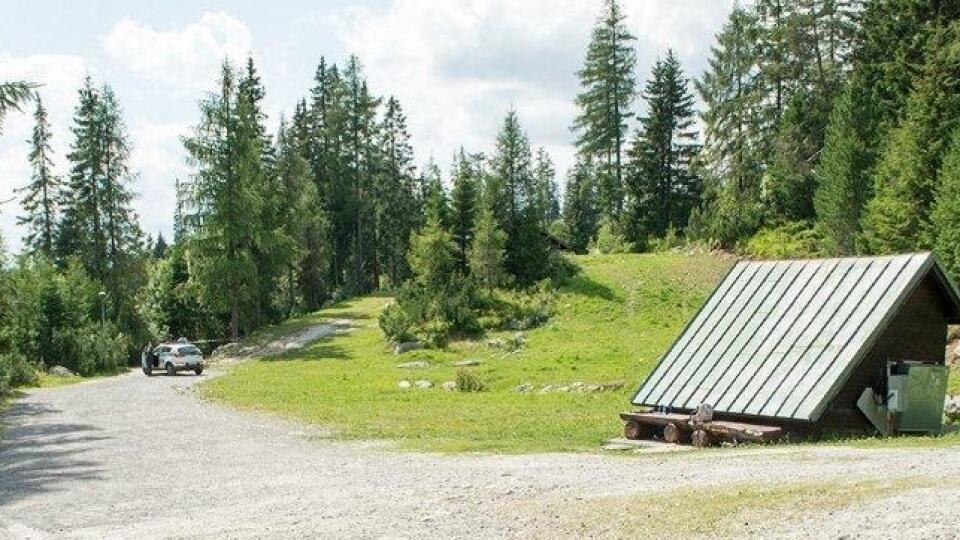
x: 611, y: 324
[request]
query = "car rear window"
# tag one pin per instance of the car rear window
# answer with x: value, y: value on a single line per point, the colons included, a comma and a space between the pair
x: 189, y: 350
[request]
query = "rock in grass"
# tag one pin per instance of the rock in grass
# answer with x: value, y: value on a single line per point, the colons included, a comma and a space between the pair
x: 951, y: 408
x: 416, y: 364
x: 467, y: 363
x: 524, y: 388
x: 546, y: 389
x: 449, y: 386
x: 60, y: 371
x: 496, y: 343
x: 404, y: 384
x: 424, y: 384
x: 407, y: 346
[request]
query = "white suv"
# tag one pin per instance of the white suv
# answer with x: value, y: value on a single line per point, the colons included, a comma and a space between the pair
x: 173, y: 357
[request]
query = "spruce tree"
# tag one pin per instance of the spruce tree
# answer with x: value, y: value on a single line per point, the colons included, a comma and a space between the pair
x: 487, y: 250
x: 946, y: 210
x: 510, y: 193
x: 436, y: 204
x: 463, y: 205
x: 733, y: 144
x: 843, y: 184
x: 40, y: 196
x: 905, y: 178
x: 226, y: 196
x: 661, y: 184
x: 545, y: 188
x: 608, y: 91
x: 580, y: 215
x: 13, y: 94
x: 395, y: 193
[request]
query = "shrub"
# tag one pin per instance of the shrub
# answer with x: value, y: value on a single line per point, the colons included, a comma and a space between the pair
x: 669, y: 241
x: 609, y: 240
x: 15, y: 370
x: 396, y: 324
x: 790, y: 240
x: 468, y: 381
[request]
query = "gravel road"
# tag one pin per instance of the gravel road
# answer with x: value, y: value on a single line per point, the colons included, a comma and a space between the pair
x: 138, y: 457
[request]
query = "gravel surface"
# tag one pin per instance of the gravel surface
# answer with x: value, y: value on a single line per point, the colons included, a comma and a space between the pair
x: 139, y: 457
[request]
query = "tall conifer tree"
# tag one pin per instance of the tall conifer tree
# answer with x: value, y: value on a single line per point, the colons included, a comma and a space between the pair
x: 608, y: 88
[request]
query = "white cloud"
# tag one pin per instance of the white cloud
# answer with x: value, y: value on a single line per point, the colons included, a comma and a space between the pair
x: 60, y: 77
x: 458, y: 66
x: 158, y: 160
x: 185, y: 58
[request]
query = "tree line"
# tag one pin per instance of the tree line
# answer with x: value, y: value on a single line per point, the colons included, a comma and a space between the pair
x: 819, y: 127
x: 829, y: 127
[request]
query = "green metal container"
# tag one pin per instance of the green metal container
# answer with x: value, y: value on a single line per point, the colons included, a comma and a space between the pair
x: 917, y: 397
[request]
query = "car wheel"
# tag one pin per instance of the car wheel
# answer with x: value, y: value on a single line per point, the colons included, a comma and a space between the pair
x: 198, y: 371
x: 171, y: 371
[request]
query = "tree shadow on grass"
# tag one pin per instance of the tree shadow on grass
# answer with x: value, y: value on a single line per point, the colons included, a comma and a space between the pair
x: 581, y: 284
x: 38, y: 455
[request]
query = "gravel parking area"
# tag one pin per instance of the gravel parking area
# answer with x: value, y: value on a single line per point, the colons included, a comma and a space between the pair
x: 138, y: 457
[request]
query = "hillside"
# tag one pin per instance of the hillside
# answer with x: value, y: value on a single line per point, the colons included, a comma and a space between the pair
x: 611, y: 323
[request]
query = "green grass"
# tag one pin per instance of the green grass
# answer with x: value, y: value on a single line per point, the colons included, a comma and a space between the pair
x: 612, y: 322
x: 728, y: 511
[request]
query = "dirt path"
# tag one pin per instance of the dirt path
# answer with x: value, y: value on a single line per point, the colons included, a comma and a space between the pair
x: 138, y: 457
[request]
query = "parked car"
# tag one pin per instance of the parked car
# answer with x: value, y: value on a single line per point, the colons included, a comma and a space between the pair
x: 173, y: 357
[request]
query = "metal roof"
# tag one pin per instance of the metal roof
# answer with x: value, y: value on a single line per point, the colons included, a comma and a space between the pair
x: 779, y: 338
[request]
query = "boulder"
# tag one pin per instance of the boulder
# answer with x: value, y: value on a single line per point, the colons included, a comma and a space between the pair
x: 449, y: 386
x: 407, y: 346
x: 524, y: 388
x: 423, y: 384
x: 404, y: 384
x: 60, y: 371
x: 227, y: 349
x: 467, y: 363
x: 416, y: 364
x: 951, y: 408
x: 247, y: 351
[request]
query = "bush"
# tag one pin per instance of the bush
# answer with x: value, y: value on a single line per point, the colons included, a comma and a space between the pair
x: 468, y: 381
x: 671, y: 240
x: 790, y: 240
x: 609, y: 240
x: 15, y: 370
x: 396, y: 324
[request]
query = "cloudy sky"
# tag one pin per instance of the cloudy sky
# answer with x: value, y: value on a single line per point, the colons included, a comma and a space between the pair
x: 456, y: 65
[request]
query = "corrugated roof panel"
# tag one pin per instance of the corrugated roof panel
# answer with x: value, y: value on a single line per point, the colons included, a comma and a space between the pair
x: 730, y: 385
x: 888, y: 295
x: 729, y: 324
x: 785, y: 353
x: 773, y: 353
x: 833, y: 338
x: 733, y: 343
x: 779, y: 338
x: 706, y: 320
x: 819, y: 328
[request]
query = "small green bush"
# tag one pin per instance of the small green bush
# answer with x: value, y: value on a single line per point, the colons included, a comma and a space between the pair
x: 609, y: 240
x: 396, y: 324
x: 790, y: 240
x: 468, y: 381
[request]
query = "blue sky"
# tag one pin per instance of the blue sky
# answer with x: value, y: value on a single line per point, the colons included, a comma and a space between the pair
x: 456, y: 65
